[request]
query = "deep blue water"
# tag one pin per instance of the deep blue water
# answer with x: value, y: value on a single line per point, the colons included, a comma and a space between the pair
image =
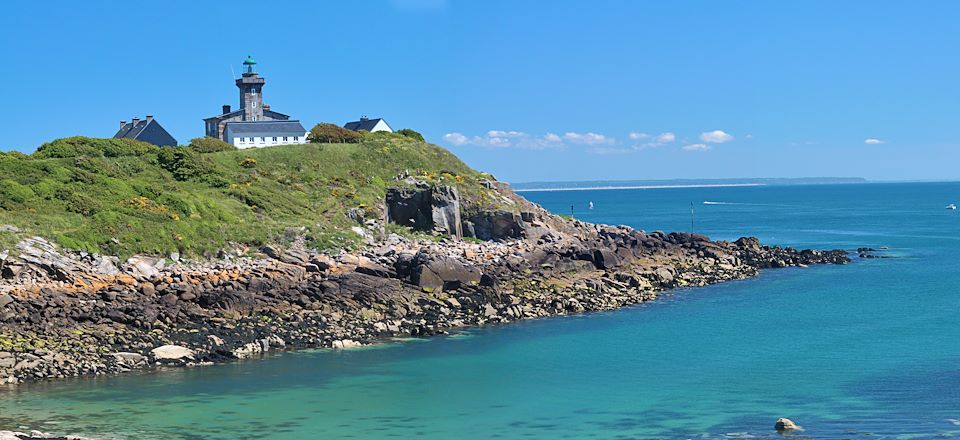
x: 866, y: 350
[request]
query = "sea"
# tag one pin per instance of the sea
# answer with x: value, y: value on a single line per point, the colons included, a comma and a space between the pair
x: 868, y: 350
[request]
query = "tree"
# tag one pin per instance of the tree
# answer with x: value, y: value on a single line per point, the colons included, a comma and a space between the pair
x: 411, y: 133
x: 326, y: 133
x: 209, y: 145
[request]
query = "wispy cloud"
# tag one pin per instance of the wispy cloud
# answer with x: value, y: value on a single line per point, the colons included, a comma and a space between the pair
x: 587, y: 138
x: 505, y: 139
x: 654, y: 142
x: 696, y: 147
x: 637, y: 136
x: 716, y: 137
x: 873, y: 141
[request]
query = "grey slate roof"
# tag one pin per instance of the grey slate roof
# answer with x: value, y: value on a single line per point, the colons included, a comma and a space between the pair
x: 130, y: 131
x: 266, y: 127
x: 147, y: 130
x: 363, y: 124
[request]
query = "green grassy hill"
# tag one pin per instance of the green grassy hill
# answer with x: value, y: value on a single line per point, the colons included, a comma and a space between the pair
x: 122, y: 197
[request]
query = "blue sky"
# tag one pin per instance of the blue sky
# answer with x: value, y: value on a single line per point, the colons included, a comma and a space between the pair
x: 526, y: 90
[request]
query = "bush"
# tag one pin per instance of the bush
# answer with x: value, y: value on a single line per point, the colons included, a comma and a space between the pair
x: 411, y: 133
x: 78, y: 202
x: 94, y: 147
x: 325, y: 133
x: 13, y: 194
x: 184, y: 163
x: 209, y: 145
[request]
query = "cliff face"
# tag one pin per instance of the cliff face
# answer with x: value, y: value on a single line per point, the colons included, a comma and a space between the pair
x: 69, y: 313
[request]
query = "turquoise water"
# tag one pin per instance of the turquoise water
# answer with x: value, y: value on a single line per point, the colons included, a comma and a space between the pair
x: 866, y: 350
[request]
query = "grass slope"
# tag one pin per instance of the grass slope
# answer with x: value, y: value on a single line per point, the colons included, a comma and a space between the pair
x: 122, y: 198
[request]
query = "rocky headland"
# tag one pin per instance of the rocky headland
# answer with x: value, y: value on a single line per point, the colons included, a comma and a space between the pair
x: 66, y: 313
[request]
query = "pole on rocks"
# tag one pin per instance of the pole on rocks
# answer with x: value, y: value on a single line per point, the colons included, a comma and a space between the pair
x: 692, y: 229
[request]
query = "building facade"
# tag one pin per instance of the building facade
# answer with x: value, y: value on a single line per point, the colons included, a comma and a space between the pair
x: 253, y: 124
x: 145, y: 130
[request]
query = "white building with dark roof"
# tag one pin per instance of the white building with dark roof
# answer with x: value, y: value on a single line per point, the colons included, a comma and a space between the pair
x: 254, y: 124
x: 145, y: 130
x: 371, y: 125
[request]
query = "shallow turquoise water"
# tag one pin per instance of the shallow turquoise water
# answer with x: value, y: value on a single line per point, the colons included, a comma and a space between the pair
x: 870, y: 349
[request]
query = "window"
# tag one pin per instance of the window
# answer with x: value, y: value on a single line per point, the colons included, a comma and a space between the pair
x: 253, y: 90
x: 284, y: 138
x: 296, y: 138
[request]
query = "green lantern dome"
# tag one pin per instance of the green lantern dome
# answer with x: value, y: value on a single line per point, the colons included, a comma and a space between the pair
x: 249, y: 61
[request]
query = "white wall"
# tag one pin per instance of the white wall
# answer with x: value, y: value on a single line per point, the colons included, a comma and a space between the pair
x: 267, y: 141
x: 381, y: 126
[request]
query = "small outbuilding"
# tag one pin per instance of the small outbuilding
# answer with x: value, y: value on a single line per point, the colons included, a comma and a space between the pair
x: 371, y: 125
x: 145, y: 130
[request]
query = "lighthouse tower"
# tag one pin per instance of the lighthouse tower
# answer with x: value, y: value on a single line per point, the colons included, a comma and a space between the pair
x: 251, y: 91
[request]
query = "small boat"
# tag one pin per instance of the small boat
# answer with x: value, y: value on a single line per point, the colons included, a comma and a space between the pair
x: 591, y: 205
x: 952, y: 207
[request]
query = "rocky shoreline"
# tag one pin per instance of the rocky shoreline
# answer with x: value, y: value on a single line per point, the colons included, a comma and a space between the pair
x: 69, y: 313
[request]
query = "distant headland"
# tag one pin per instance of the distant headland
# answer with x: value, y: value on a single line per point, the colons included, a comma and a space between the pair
x: 680, y: 183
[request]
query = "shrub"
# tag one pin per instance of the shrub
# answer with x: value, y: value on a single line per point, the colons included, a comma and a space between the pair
x: 184, y: 163
x: 94, y: 147
x: 411, y: 133
x: 325, y: 133
x: 78, y: 202
x: 248, y: 162
x: 13, y: 194
x: 209, y: 145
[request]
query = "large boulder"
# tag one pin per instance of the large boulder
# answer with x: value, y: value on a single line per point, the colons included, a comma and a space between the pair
x: 495, y: 225
x: 445, y: 273
x: 172, y: 353
x: 425, y: 208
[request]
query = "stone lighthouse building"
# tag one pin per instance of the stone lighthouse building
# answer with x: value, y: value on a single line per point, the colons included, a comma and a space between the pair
x: 254, y: 124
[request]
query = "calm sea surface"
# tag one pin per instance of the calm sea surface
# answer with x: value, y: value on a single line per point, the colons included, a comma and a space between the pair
x: 866, y: 350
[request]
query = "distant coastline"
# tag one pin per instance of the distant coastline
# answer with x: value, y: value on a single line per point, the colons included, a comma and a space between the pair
x: 586, y: 188
x: 679, y: 183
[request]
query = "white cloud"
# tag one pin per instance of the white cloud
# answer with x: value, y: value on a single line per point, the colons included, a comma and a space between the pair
x: 715, y: 137
x: 636, y: 136
x: 696, y: 147
x: 456, y: 139
x: 666, y: 138
x: 587, y: 138
x: 657, y: 141
x: 504, y: 139
x: 873, y: 141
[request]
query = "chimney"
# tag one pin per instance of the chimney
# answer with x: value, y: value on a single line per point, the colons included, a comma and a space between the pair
x: 266, y: 107
x: 122, y: 123
x: 135, y: 121
x: 149, y: 118
x: 226, y: 109
x: 364, y: 118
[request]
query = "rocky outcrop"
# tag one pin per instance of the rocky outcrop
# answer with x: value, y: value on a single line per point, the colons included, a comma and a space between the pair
x: 425, y: 208
x: 72, y: 313
x: 196, y: 313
